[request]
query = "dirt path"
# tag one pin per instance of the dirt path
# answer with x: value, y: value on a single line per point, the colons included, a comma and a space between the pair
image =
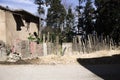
x: 46, y: 72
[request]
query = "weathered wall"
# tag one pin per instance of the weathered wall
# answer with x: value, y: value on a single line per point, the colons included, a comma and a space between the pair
x: 12, y: 34
x: 2, y: 26
x: 24, y: 33
x: 33, y: 27
x: 29, y: 49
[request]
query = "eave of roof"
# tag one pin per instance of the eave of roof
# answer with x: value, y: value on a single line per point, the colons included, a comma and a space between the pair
x: 5, y: 8
x: 20, y: 11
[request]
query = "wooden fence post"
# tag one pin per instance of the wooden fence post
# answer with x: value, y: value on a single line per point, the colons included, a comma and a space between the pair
x: 57, y: 45
x: 44, y: 46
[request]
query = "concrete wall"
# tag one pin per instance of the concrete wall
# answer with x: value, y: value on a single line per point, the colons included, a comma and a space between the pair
x: 2, y: 26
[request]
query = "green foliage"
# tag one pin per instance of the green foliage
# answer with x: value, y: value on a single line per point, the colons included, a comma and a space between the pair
x: 31, y: 38
x: 85, y: 21
x: 38, y: 40
x: 70, y: 18
x: 55, y: 19
x: 56, y: 14
x: 67, y: 34
x: 108, y: 17
x: 88, y: 17
x: 35, y: 39
x: 40, y: 9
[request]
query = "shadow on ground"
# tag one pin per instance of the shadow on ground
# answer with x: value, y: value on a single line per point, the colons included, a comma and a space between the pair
x: 108, y: 68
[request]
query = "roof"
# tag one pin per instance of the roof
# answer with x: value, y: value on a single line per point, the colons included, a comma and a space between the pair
x: 25, y: 14
x: 5, y: 8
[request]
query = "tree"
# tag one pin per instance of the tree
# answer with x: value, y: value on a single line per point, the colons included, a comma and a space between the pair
x: 70, y: 18
x: 40, y: 11
x: 80, y: 18
x: 56, y: 14
x: 56, y: 17
x: 68, y: 31
x: 40, y: 3
x: 108, y: 18
x: 88, y: 17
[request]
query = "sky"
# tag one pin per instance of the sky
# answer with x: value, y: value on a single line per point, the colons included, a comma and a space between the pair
x: 29, y: 5
x: 20, y: 4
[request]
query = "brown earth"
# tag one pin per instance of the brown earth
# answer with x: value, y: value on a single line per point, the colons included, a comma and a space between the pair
x: 66, y: 59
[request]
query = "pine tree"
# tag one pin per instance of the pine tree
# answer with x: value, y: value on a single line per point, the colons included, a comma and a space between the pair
x: 108, y: 18
x: 88, y: 17
x: 56, y: 14
x: 80, y: 18
x: 69, y: 26
x: 69, y: 19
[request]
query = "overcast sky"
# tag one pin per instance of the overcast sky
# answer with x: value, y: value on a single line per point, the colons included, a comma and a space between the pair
x: 29, y: 4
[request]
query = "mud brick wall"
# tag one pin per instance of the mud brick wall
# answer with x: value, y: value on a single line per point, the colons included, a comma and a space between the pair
x: 39, y: 49
x: 28, y: 49
x: 25, y: 49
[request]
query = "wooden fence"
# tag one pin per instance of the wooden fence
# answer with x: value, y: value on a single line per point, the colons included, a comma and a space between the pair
x: 92, y: 44
x: 78, y: 46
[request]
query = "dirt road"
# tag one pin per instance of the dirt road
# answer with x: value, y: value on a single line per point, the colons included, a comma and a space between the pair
x: 49, y: 72
x: 60, y: 72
